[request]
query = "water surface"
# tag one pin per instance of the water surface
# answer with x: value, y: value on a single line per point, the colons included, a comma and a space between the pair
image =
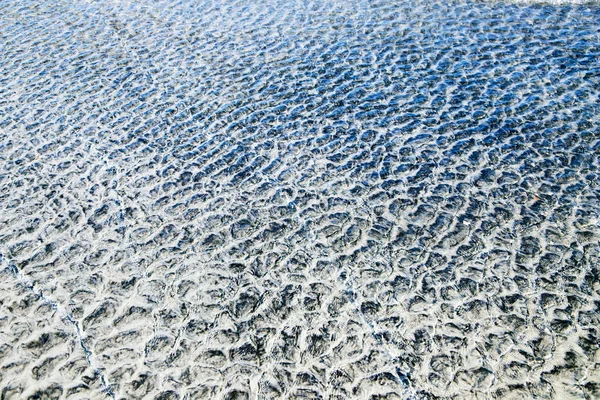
x: 290, y: 199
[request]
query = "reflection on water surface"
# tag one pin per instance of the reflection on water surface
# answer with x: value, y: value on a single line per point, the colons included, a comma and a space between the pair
x: 299, y: 200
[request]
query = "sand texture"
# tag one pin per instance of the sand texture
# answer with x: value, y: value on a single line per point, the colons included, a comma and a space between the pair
x: 299, y: 200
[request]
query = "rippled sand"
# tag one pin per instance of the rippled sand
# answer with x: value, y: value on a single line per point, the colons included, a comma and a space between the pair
x: 290, y: 199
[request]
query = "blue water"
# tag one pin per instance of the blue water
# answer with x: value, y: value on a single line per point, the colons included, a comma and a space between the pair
x: 269, y: 199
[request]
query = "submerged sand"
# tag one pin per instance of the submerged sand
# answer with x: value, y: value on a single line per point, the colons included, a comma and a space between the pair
x: 299, y: 200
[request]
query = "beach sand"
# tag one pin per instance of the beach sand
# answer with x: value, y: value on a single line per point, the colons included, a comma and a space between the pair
x: 326, y: 200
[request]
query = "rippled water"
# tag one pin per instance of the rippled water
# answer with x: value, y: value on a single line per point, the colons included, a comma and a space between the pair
x: 341, y: 199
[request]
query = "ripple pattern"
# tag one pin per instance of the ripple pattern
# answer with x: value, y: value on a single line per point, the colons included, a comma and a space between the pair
x: 289, y: 199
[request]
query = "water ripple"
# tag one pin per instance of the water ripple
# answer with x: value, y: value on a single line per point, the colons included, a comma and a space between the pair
x: 299, y: 199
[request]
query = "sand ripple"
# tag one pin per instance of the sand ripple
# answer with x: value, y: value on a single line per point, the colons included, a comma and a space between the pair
x: 296, y: 199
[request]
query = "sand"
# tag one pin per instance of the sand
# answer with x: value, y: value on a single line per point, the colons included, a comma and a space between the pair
x: 328, y: 200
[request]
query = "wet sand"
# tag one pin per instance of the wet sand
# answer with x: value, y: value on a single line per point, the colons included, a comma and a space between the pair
x: 323, y: 200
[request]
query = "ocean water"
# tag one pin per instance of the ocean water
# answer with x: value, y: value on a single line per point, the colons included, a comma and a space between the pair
x: 299, y: 199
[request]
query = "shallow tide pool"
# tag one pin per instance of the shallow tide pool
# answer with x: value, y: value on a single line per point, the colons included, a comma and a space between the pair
x: 299, y: 199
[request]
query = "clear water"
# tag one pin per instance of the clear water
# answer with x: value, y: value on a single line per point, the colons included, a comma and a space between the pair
x: 290, y: 199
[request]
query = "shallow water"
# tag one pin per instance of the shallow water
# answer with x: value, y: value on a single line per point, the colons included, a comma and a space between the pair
x: 297, y: 199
